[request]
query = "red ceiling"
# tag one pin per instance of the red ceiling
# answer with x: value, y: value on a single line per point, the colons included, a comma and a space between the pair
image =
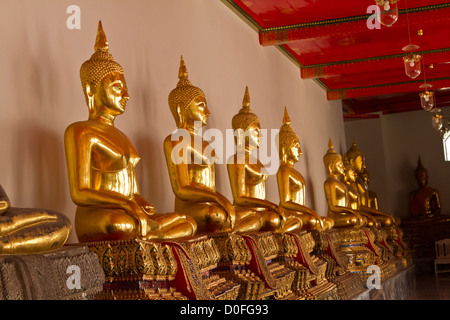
x: 330, y: 41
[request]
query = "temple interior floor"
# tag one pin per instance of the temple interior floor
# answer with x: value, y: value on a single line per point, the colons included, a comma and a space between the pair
x: 428, y: 289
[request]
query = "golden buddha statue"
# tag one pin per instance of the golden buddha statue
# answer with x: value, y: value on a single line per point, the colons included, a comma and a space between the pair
x: 291, y: 184
x: 248, y: 177
x: 349, y: 177
x: 357, y: 160
x: 373, y: 197
x: 193, y: 178
x: 27, y: 230
x: 336, y: 193
x: 101, y: 163
x: 424, y: 202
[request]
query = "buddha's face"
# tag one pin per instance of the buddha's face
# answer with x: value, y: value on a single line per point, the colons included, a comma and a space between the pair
x: 338, y: 167
x: 197, y: 110
x: 422, y: 178
x: 359, y: 164
x: 350, y: 175
x: 253, y: 133
x: 111, y: 94
x: 365, y: 178
x: 294, y: 152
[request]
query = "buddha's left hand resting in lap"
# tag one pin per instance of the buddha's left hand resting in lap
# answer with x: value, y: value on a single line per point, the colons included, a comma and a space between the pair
x: 101, y: 163
x: 29, y: 230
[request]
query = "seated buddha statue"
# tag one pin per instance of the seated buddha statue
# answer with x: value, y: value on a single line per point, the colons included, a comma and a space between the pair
x: 336, y: 193
x: 349, y: 177
x: 424, y: 202
x: 357, y: 160
x: 373, y: 197
x: 291, y: 184
x: 29, y: 230
x: 193, y: 176
x: 101, y: 162
x: 248, y: 175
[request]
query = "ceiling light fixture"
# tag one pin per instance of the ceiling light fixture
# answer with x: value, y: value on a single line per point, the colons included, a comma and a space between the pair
x: 412, y: 60
x: 388, y: 12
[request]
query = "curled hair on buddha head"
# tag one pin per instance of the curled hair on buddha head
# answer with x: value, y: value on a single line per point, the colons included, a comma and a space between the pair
x: 287, y: 136
x: 100, y: 64
x: 353, y: 153
x: 331, y: 157
x: 420, y: 169
x: 184, y: 93
x: 245, y: 117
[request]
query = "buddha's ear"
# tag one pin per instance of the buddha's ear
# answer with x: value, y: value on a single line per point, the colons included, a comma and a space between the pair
x: 90, y: 92
x: 180, y: 114
x: 283, y: 154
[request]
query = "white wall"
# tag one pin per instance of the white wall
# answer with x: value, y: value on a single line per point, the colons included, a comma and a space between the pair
x: 392, y: 145
x: 41, y: 91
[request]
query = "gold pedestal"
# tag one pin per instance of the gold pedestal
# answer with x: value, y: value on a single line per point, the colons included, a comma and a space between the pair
x: 310, y: 265
x: 317, y: 285
x: 161, y: 270
x: 234, y: 265
x: 355, y: 254
x: 349, y: 284
x: 266, y: 264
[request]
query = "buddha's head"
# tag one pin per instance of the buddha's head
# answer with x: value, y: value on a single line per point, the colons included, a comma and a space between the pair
x: 365, y: 175
x: 187, y: 102
x: 349, y: 172
x: 333, y: 161
x: 356, y: 158
x: 421, y: 174
x: 103, y: 80
x: 246, y: 125
x: 289, y: 143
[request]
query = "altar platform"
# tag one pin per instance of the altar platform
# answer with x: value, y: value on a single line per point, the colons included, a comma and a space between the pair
x: 401, y: 286
x: 260, y: 266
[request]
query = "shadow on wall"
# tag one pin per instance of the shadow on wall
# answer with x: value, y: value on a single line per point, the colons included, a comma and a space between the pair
x: 38, y: 148
x: 406, y: 175
x: 40, y: 169
x: 309, y: 192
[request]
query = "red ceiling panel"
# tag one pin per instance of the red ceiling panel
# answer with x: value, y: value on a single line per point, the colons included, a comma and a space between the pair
x: 330, y: 41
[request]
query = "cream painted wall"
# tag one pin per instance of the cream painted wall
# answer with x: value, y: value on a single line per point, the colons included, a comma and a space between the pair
x: 391, y: 145
x: 41, y: 91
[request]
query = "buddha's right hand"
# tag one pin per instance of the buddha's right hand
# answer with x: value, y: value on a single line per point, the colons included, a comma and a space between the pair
x: 140, y: 215
x: 229, y: 208
x: 144, y: 204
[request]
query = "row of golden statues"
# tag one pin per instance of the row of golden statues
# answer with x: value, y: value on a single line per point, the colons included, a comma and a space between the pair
x: 101, y: 163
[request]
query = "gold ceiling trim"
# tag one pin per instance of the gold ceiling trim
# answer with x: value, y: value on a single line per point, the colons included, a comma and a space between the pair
x: 347, y: 19
x: 391, y: 56
x: 389, y: 84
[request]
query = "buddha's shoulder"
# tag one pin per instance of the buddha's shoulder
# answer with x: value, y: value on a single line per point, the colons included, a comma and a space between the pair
x: 87, y: 128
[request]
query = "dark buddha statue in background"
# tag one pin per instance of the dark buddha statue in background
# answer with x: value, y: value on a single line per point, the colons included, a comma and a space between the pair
x: 424, y: 202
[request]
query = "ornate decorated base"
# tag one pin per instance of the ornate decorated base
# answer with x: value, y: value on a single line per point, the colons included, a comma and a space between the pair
x: 349, y: 284
x: 317, y: 284
x: 162, y: 270
x: 69, y: 273
x: 312, y: 265
x: 355, y: 253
